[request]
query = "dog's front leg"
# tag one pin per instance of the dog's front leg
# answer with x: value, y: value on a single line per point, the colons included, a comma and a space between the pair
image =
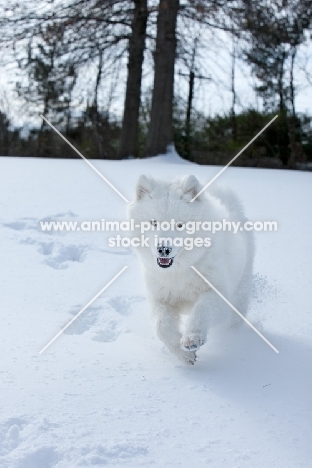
x: 206, y: 309
x: 166, y: 319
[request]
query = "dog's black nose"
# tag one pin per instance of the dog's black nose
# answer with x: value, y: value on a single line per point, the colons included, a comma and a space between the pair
x: 164, y: 250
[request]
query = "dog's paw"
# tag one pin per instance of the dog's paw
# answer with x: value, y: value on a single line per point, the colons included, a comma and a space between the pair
x: 188, y: 357
x: 192, y: 342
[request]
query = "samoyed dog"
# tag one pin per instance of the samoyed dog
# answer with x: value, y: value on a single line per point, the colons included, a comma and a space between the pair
x: 176, y: 238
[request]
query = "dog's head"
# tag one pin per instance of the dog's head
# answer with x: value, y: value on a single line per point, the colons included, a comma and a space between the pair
x: 166, y: 214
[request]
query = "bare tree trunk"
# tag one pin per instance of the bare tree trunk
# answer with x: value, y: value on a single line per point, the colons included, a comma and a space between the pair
x: 160, y: 133
x: 98, y: 80
x: 130, y: 126
x: 283, y: 133
x: 291, y: 79
x: 233, y: 90
x: 95, y: 115
x: 190, y: 103
x: 281, y: 90
x: 188, y: 115
x: 296, y: 150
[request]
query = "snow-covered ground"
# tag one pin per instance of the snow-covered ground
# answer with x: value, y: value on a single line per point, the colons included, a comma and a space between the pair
x: 107, y: 392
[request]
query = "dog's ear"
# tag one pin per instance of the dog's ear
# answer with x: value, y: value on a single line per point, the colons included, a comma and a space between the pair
x: 144, y: 186
x: 190, y: 187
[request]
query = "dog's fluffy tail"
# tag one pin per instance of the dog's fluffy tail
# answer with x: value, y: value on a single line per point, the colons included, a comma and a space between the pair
x: 229, y: 199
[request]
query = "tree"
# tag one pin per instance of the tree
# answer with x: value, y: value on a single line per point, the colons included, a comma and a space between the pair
x: 4, y: 134
x: 160, y: 133
x: 130, y: 125
x: 273, y: 31
x: 51, y: 77
x: 89, y: 29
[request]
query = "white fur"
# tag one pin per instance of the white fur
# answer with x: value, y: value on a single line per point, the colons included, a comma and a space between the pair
x: 176, y: 290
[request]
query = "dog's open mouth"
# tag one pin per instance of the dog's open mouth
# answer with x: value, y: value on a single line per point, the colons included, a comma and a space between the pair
x: 164, y: 262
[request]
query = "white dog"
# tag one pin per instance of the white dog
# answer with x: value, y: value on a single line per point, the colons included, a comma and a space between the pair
x: 223, y: 257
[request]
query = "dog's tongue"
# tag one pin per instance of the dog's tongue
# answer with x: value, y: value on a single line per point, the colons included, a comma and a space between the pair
x: 164, y: 261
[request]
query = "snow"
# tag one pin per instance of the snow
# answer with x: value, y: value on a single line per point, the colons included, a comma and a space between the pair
x: 107, y: 392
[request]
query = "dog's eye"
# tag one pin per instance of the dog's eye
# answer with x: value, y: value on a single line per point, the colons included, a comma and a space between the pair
x: 153, y: 222
x: 179, y: 225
